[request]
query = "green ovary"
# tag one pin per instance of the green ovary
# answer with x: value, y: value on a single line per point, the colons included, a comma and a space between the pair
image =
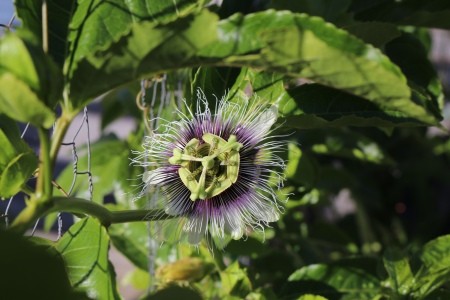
x: 210, y: 167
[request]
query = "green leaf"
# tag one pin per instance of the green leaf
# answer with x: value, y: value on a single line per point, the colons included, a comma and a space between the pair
x: 110, y: 170
x: 131, y: 239
x: 250, y: 247
x: 436, y: 254
x: 59, y: 14
x: 17, y: 160
x: 435, y: 271
x: 30, y: 82
x: 303, y: 46
x: 84, y: 248
x: 235, y: 281
x: 432, y: 13
x: 292, y: 44
x: 353, y: 283
x: 410, y: 54
x: 314, y: 106
x: 400, y: 274
x: 22, y: 104
x: 311, y: 297
x: 214, y: 81
x: 92, y: 29
x: 16, y: 173
x: 147, y: 49
x: 23, y: 263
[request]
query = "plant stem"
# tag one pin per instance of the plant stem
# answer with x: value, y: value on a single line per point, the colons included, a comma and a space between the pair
x: 37, y: 209
x: 61, y: 126
x: 44, y: 180
x: 44, y: 26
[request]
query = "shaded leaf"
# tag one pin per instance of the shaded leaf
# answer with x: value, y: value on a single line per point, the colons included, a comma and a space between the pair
x: 235, y: 281
x: 375, y: 33
x: 250, y: 246
x: 120, y: 102
x: 351, y: 282
x: 59, y: 14
x: 214, y: 81
x: 23, y: 262
x: 409, y: 53
x: 84, y: 248
x: 432, y: 13
x: 315, y: 106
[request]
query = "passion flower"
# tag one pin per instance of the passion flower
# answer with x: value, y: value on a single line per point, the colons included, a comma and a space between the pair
x: 216, y: 169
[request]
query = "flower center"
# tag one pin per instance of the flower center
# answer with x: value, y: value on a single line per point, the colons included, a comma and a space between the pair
x: 209, y: 167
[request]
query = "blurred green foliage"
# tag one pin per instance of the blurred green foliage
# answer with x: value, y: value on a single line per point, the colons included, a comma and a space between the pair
x: 359, y: 102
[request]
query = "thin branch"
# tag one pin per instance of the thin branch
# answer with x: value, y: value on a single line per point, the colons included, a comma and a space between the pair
x: 36, y: 209
x: 44, y: 26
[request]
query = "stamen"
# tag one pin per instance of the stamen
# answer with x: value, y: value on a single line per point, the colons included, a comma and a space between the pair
x: 209, y: 175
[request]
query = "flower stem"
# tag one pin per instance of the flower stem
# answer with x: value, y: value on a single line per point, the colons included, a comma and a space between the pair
x: 76, y: 205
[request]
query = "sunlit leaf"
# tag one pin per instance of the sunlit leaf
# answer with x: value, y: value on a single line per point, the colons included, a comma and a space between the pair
x: 235, y: 281
x: 17, y: 159
x: 92, y: 29
x: 302, y: 46
x: 399, y: 270
x: 30, y: 82
x: 59, y: 14
x: 148, y: 48
x: 84, y: 249
x: 315, y: 50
